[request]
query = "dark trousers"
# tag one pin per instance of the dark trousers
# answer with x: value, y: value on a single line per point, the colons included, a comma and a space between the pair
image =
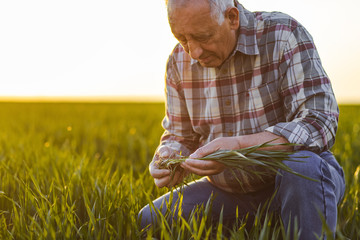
x: 293, y: 196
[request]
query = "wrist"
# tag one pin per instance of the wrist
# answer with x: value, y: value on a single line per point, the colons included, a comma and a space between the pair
x: 240, y: 141
x: 260, y: 138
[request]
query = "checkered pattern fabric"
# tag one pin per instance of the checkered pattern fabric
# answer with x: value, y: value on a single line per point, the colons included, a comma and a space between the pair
x: 273, y: 81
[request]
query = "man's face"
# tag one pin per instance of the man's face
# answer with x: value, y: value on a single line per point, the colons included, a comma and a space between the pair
x: 200, y: 35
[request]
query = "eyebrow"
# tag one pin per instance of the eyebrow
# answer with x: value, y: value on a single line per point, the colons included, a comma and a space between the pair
x: 196, y: 35
x: 202, y: 34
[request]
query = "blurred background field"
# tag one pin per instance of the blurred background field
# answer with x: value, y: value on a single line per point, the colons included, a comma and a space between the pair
x: 79, y: 170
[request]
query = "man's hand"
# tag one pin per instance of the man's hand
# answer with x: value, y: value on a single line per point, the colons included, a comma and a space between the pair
x: 164, y: 177
x: 206, y: 168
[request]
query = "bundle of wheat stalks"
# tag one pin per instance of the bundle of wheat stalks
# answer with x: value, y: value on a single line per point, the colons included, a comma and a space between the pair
x: 246, y: 159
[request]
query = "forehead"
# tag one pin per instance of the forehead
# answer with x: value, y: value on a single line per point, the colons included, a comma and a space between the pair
x: 191, y: 18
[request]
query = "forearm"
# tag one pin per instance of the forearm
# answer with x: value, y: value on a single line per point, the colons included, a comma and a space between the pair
x: 206, y: 168
x: 262, y: 137
x: 309, y: 104
x: 311, y: 130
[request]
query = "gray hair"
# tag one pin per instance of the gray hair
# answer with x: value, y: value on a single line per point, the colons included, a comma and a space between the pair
x: 217, y: 7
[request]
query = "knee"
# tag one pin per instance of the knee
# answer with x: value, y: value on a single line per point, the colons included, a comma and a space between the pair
x: 306, y: 163
x: 145, y: 217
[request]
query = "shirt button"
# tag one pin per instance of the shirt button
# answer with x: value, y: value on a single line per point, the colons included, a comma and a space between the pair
x: 230, y: 133
x: 227, y: 102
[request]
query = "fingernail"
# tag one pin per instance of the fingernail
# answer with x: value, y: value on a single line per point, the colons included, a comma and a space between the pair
x: 164, y: 154
x: 193, y: 155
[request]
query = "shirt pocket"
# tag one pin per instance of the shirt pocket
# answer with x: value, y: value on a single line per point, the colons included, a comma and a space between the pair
x: 266, y: 105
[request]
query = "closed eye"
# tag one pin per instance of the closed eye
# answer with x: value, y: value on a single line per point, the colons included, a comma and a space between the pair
x: 202, y: 38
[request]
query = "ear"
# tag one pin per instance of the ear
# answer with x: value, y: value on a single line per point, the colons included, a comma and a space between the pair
x: 232, y: 15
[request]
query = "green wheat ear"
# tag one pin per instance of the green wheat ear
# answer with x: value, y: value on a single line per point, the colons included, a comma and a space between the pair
x: 246, y: 159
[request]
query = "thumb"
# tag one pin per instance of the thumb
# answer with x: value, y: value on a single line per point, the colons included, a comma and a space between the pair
x: 203, y: 151
x: 164, y: 152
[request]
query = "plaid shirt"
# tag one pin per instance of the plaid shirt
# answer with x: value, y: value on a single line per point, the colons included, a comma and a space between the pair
x: 273, y: 81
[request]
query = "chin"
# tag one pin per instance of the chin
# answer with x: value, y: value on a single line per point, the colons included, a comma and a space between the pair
x: 211, y: 64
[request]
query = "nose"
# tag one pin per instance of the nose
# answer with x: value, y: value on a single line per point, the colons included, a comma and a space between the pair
x: 195, y: 49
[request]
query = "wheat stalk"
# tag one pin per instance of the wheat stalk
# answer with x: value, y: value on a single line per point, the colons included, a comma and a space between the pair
x: 246, y: 159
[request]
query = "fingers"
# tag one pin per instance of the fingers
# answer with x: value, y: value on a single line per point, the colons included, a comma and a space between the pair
x: 162, y: 182
x: 203, y: 151
x: 161, y: 176
x: 203, y: 167
x: 211, y: 147
x: 165, y: 177
x: 156, y: 172
x: 167, y: 152
x: 217, y: 144
x: 169, y: 180
x: 176, y: 179
x: 164, y: 151
x: 159, y: 173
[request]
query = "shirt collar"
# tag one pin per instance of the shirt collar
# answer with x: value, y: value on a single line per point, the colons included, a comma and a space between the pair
x: 246, y: 42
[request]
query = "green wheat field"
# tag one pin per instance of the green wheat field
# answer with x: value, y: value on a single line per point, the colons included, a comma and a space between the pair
x: 80, y: 171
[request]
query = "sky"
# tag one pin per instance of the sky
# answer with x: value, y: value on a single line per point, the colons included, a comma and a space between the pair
x: 118, y: 49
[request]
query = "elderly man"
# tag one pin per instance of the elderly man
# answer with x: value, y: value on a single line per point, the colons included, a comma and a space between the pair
x: 239, y: 79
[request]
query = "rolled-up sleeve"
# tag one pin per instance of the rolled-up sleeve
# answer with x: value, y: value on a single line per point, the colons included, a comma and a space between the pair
x: 178, y: 133
x: 310, y: 106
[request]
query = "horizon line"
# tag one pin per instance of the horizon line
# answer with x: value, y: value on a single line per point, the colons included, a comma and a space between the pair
x: 81, y: 99
x: 132, y: 98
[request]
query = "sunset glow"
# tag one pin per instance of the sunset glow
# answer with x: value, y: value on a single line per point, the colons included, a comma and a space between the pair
x: 118, y: 50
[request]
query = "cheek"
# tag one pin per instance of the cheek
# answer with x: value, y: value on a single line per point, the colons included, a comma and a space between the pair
x: 210, y: 48
x: 216, y: 50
